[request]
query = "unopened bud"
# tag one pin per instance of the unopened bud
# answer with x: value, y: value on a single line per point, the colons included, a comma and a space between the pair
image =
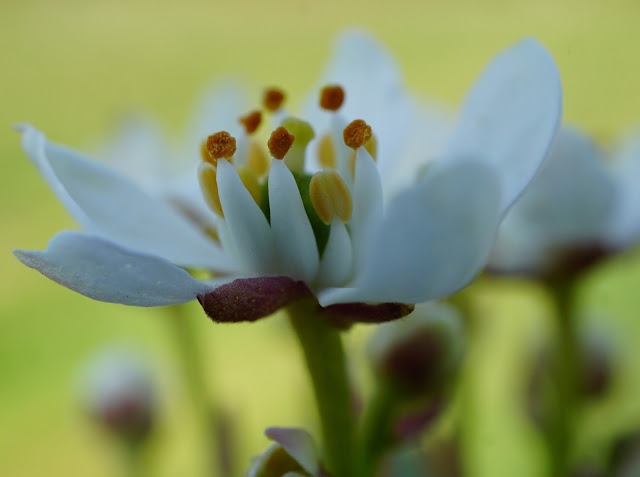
x: 117, y: 391
x: 597, y: 366
x: 419, y: 354
x: 293, y: 453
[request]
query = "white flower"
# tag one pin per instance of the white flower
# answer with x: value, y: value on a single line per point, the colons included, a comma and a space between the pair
x: 419, y: 243
x: 581, y: 207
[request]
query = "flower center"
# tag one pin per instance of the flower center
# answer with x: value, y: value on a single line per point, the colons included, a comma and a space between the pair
x: 326, y: 194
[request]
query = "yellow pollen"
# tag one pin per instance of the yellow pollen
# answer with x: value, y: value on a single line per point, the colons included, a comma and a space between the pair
x: 207, y: 176
x: 251, y: 121
x: 257, y: 159
x: 273, y: 99
x: 331, y: 97
x: 327, y: 155
x: 280, y: 142
x: 330, y: 196
x: 356, y: 134
x: 220, y: 144
x: 251, y: 183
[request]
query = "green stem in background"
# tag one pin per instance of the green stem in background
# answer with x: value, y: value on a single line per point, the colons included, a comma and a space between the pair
x: 375, y: 435
x: 565, y: 379
x: 134, y: 458
x: 326, y: 362
x: 205, y: 408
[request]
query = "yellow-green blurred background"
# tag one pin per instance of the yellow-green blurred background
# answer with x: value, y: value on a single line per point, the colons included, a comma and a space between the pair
x: 73, y: 67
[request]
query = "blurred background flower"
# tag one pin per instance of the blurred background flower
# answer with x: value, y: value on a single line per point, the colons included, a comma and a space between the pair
x: 76, y: 68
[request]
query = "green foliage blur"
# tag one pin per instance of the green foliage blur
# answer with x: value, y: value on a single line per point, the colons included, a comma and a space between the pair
x: 74, y: 68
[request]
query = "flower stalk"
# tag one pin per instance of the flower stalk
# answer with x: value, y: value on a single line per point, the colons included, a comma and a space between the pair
x: 205, y: 408
x: 565, y: 378
x: 374, y: 438
x: 326, y: 362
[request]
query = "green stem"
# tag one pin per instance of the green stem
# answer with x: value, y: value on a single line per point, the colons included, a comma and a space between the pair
x: 562, y: 431
x: 376, y: 429
x: 326, y: 362
x: 134, y: 458
x: 204, y: 407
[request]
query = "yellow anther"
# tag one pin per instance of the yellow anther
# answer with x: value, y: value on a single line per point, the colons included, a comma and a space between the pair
x: 251, y: 121
x: 218, y: 145
x: 251, y: 183
x: 331, y: 97
x: 356, y: 134
x: 257, y: 159
x: 280, y: 142
x: 330, y: 196
x: 204, y: 153
x: 372, y: 148
x: 327, y: 154
x: 273, y: 99
x: 207, y: 176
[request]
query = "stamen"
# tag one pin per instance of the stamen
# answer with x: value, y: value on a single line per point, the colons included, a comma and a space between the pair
x: 331, y: 97
x: 372, y: 148
x: 251, y: 183
x: 356, y: 134
x: 273, y: 99
x: 303, y: 133
x: 220, y: 144
x: 257, y: 159
x: 280, y: 142
x: 207, y: 176
x: 204, y: 153
x: 327, y: 154
x: 251, y: 121
x: 330, y: 196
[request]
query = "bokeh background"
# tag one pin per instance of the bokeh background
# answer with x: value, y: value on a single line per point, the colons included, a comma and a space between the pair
x: 74, y: 67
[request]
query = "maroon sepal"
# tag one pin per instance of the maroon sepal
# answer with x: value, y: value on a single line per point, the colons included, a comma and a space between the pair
x: 345, y: 314
x: 249, y: 299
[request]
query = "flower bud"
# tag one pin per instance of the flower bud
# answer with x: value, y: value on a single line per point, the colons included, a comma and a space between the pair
x: 117, y: 391
x: 419, y: 354
x: 597, y: 364
x: 293, y: 454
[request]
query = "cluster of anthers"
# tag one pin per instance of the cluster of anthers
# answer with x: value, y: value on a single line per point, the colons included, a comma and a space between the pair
x: 326, y: 194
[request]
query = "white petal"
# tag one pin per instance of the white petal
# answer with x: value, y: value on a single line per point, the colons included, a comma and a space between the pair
x: 217, y: 110
x: 295, y: 242
x: 107, y: 204
x: 247, y: 225
x: 337, y: 258
x: 374, y: 91
x: 105, y: 271
x: 299, y: 444
x: 510, y: 116
x: 567, y: 204
x: 425, y: 142
x: 624, y: 227
x: 433, y: 239
x: 138, y: 150
x: 367, y: 205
